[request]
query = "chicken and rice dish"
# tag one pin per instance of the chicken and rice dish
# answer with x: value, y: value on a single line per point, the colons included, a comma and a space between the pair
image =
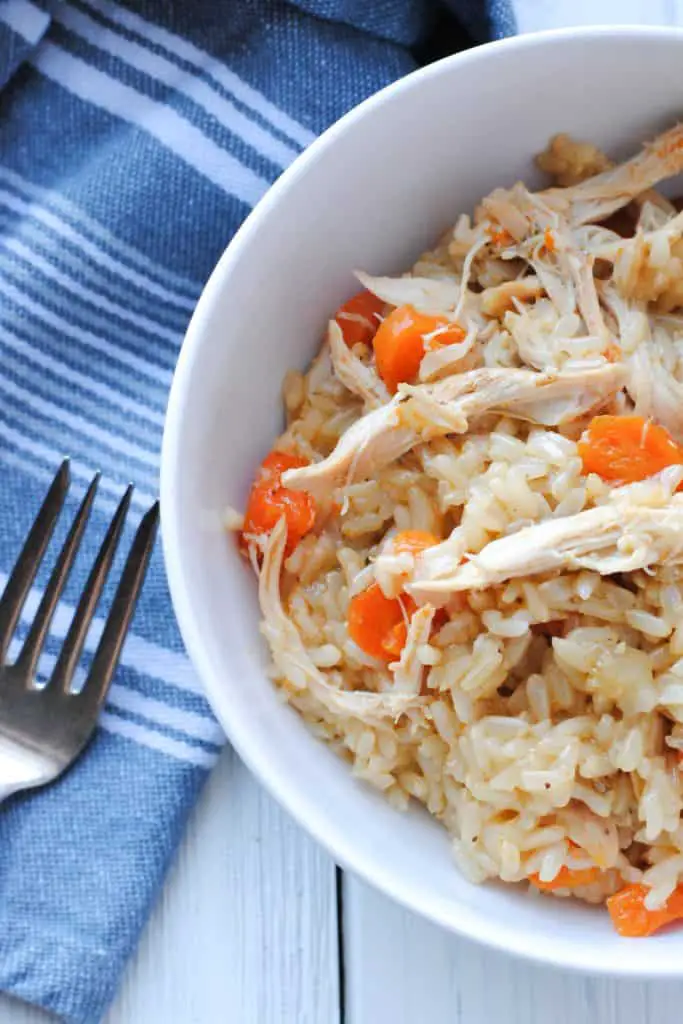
x: 469, y: 538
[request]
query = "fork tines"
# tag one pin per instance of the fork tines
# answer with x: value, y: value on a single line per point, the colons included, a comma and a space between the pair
x: 123, y: 604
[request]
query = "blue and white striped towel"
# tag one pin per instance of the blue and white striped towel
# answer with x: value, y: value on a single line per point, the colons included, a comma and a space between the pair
x: 133, y: 141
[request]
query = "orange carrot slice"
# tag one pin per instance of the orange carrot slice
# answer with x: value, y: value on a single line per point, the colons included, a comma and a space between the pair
x: 359, y: 318
x: 631, y: 917
x: 567, y: 878
x: 269, y: 501
x: 275, y: 464
x: 499, y: 236
x: 378, y: 623
x: 402, y: 339
x: 413, y: 541
x: 627, y: 448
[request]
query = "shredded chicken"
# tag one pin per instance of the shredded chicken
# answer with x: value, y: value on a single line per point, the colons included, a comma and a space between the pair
x: 599, y: 196
x: 426, y: 294
x: 423, y: 412
x: 443, y: 360
x: 656, y: 393
x: 549, y: 399
x: 497, y: 301
x: 354, y: 374
x: 409, y: 670
x: 562, y: 265
x: 611, y: 538
x: 438, y: 561
x: 628, y: 319
x: 373, y: 441
x: 292, y: 659
x: 502, y: 210
x: 654, y: 211
x: 480, y: 243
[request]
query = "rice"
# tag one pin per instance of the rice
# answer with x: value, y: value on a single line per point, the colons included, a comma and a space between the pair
x: 539, y: 718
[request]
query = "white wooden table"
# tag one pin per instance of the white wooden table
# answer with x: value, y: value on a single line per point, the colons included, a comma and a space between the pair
x: 257, y: 926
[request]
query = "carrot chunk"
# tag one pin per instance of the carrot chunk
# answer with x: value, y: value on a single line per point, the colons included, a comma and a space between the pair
x: 275, y: 464
x: 413, y: 541
x: 378, y: 623
x: 359, y: 318
x: 395, y: 640
x: 499, y: 236
x: 269, y: 501
x: 631, y: 917
x: 402, y: 339
x: 627, y: 448
x: 567, y: 878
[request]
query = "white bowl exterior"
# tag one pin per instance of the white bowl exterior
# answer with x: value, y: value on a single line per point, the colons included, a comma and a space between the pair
x: 371, y: 193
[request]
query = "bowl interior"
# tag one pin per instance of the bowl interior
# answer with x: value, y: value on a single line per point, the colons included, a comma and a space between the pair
x: 379, y: 187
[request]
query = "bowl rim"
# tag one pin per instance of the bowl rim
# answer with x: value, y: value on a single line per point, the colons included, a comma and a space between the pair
x: 297, y: 802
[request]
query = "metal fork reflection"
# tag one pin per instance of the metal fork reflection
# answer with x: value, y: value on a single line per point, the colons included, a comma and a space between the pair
x: 44, y: 729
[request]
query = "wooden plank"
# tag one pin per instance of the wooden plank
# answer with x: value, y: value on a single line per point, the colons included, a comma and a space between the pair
x: 534, y: 15
x: 245, y: 931
x: 403, y: 969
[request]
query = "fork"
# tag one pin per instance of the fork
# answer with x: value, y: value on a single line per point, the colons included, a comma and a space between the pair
x: 43, y: 729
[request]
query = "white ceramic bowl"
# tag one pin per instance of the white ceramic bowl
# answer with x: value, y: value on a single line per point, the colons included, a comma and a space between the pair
x: 372, y: 192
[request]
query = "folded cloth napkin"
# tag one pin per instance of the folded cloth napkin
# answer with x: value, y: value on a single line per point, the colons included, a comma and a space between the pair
x: 134, y: 139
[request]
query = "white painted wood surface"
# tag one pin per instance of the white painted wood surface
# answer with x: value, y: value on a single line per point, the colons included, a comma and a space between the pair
x: 403, y: 970
x: 246, y: 929
x: 534, y: 15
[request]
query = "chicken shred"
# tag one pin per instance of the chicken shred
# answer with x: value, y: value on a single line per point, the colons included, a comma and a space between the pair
x: 656, y: 393
x: 292, y: 659
x: 353, y: 373
x: 409, y: 670
x: 597, y: 197
x: 457, y: 358
x: 497, y: 301
x: 423, y: 412
x: 428, y: 295
x: 607, y: 539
